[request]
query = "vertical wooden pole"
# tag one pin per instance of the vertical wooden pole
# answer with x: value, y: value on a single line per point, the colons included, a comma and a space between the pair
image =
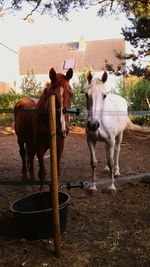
x: 54, y: 175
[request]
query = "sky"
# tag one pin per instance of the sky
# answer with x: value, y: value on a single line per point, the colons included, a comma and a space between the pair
x: 16, y: 32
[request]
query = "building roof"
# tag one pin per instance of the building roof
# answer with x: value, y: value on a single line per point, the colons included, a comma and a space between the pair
x: 91, y: 54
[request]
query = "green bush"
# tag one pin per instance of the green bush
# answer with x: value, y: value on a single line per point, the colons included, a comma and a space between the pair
x: 137, y: 94
x: 7, y: 103
x: 30, y: 86
x: 143, y: 120
x: 78, y: 99
x: 140, y: 95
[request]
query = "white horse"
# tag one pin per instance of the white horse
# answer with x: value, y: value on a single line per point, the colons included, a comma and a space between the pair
x: 107, y: 118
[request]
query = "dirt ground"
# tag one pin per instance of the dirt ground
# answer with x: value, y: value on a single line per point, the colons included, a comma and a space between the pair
x: 102, y: 230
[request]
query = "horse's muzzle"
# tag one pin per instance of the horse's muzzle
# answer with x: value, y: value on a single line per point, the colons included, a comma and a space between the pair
x: 92, y: 126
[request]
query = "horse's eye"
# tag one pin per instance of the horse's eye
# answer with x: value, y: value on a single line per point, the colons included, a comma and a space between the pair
x: 104, y: 96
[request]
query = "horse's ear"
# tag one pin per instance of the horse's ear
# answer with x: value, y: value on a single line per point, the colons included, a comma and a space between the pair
x: 89, y: 77
x: 104, y: 77
x: 52, y: 74
x: 69, y: 74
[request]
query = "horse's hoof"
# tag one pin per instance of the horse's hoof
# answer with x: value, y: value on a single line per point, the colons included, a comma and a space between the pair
x: 41, y: 188
x: 106, y: 169
x: 117, y: 174
x: 24, y: 177
x: 109, y: 191
x: 32, y: 179
x: 91, y: 191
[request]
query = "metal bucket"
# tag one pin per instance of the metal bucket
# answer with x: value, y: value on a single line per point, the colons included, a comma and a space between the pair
x: 33, y: 214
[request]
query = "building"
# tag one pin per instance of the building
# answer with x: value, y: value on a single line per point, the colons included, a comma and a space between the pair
x: 77, y: 55
x: 9, y: 73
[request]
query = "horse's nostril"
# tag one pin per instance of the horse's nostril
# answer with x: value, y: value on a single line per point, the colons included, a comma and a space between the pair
x: 97, y: 125
x: 92, y: 126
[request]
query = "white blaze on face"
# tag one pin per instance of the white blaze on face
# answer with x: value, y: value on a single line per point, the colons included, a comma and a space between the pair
x: 96, y: 91
x: 62, y: 116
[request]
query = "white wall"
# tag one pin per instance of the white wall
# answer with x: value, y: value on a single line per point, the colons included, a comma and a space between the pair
x: 9, y: 65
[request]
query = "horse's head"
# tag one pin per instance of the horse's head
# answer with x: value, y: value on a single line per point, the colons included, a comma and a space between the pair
x: 95, y: 97
x: 61, y: 88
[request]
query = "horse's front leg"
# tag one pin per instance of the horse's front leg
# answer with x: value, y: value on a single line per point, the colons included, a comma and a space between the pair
x: 60, y: 148
x: 31, y: 155
x: 117, y: 152
x: 106, y: 168
x: 91, y: 144
x: 110, y: 163
x: 42, y: 171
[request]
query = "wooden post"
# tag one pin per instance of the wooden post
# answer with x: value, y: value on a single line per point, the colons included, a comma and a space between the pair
x: 54, y: 175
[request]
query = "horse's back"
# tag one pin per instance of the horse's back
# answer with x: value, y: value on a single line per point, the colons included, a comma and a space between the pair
x: 115, y: 113
x: 23, y: 117
x: 25, y: 103
x: 115, y: 102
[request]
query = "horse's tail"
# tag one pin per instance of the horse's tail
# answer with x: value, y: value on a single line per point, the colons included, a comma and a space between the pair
x: 132, y: 128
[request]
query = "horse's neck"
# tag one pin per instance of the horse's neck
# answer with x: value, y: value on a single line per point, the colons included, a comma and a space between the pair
x: 43, y: 101
x: 113, y: 117
x: 114, y: 103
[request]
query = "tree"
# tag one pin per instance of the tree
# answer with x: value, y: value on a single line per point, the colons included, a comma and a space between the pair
x: 138, y: 12
x: 61, y: 8
x: 138, y: 34
x: 29, y: 85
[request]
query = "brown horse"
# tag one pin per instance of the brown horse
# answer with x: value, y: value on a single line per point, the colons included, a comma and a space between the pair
x: 32, y: 126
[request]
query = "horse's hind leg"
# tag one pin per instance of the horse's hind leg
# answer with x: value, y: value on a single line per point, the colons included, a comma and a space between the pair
x: 42, y: 171
x: 22, y: 151
x: 31, y: 155
x: 117, y: 152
